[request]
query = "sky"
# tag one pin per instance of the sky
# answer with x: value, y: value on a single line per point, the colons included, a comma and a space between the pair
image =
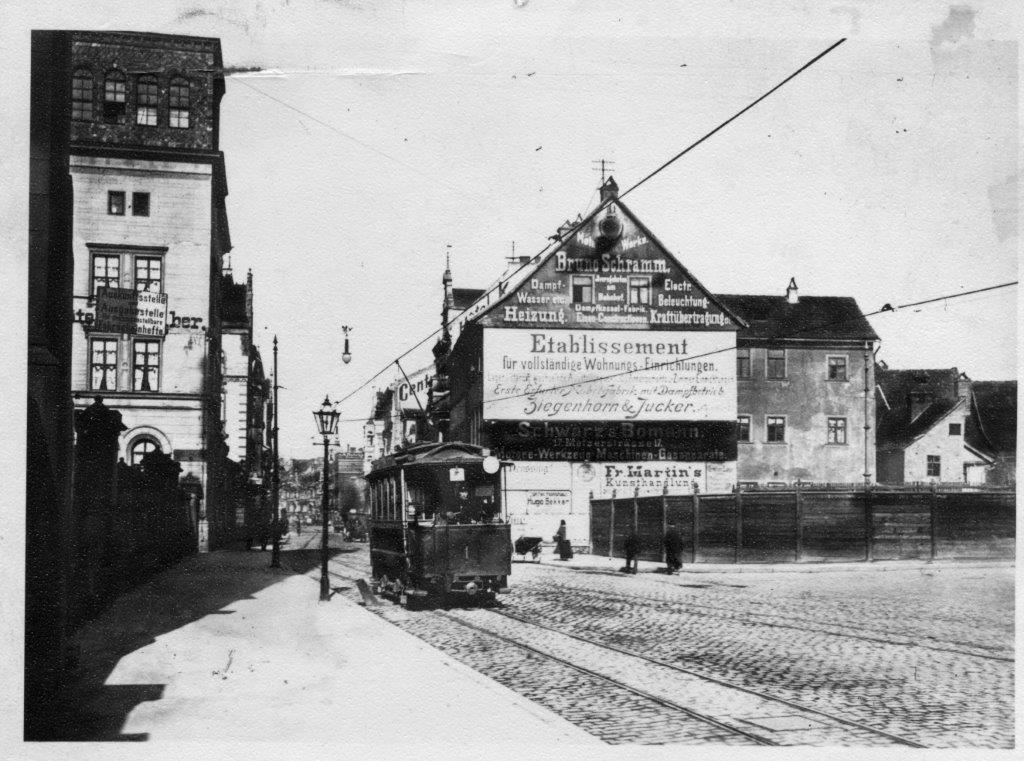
x: 377, y: 136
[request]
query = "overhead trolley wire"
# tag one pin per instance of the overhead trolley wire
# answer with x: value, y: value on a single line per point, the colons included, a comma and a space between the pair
x: 576, y: 228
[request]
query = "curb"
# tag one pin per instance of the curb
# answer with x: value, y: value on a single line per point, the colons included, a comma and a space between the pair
x: 883, y: 566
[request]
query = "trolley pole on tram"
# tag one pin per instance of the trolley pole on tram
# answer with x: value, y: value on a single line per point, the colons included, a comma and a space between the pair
x: 327, y: 425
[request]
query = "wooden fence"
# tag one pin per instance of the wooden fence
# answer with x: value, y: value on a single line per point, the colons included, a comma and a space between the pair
x: 808, y: 525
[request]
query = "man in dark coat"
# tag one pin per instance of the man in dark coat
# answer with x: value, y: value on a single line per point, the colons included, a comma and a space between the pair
x: 632, y: 546
x: 673, y: 549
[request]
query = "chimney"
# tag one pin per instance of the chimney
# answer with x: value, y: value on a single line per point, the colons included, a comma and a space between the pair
x: 791, y: 292
x: 609, y: 190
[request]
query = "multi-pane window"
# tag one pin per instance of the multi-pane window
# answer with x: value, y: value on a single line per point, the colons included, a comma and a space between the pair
x: 743, y: 363
x: 639, y: 290
x: 81, y: 95
x: 140, y: 204
x: 148, y: 270
x: 934, y: 465
x: 776, y: 428
x: 106, y: 271
x: 146, y: 95
x: 582, y: 289
x: 837, y: 368
x: 178, y: 100
x: 954, y: 429
x: 115, y: 202
x: 146, y: 366
x: 114, y: 100
x: 775, y: 366
x: 743, y: 428
x: 103, y: 364
x: 837, y: 430
x: 141, y: 447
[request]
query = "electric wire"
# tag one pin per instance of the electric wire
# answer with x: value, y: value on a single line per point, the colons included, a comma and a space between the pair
x: 575, y: 228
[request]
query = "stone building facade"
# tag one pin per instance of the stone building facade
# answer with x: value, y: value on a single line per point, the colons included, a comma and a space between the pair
x: 149, y: 233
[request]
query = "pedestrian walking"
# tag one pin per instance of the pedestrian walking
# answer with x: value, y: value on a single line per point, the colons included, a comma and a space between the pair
x: 673, y: 549
x: 562, y: 544
x: 632, y: 546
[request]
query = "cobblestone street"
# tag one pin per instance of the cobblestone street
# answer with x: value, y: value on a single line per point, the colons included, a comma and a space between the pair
x: 920, y: 656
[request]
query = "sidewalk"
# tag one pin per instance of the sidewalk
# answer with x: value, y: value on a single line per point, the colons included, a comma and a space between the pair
x: 221, y: 648
x: 604, y: 564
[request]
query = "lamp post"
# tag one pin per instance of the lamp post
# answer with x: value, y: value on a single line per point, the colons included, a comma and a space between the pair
x: 327, y: 425
x: 275, y: 481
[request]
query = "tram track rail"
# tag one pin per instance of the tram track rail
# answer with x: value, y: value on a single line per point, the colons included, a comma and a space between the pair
x: 722, y: 682
x: 730, y: 726
x: 903, y: 638
x: 671, y: 704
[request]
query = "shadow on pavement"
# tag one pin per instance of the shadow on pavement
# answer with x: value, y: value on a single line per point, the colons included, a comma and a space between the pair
x: 202, y: 585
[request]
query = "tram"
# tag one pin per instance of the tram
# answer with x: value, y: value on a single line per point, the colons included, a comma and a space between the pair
x: 437, y: 523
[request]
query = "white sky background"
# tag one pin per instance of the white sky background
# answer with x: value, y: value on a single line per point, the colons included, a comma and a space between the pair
x: 886, y: 172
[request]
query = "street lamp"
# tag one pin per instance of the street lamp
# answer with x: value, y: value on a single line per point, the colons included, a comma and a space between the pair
x: 327, y: 425
x: 346, y: 357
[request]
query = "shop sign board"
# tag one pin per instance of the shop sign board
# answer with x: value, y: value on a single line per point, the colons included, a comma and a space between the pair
x: 636, y: 375
x: 654, y: 478
x: 615, y: 441
x: 124, y: 310
x: 610, y: 274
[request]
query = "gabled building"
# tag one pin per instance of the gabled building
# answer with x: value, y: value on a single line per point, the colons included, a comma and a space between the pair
x: 924, y: 418
x: 604, y: 366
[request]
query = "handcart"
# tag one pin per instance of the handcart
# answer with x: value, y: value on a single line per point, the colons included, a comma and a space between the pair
x: 528, y: 545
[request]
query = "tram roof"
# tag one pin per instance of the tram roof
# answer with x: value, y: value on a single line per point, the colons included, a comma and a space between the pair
x: 429, y: 454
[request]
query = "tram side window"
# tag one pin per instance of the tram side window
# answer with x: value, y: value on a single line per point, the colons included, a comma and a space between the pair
x: 419, y: 499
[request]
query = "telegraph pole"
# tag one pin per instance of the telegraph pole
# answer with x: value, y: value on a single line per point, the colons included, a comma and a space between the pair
x: 275, y: 481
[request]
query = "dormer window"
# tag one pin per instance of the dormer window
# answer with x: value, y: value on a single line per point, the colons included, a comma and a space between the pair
x: 81, y: 96
x: 180, y: 103
x: 114, y: 98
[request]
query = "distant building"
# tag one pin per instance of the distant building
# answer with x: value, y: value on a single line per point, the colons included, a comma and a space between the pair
x: 993, y: 425
x: 246, y: 396
x: 150, y: 228
x: 922, y: 428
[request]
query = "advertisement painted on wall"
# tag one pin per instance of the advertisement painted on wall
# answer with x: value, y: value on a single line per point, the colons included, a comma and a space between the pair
x: 124, y: 310
x: 539, y: 374
x: 613, y: 441
x: 652, y: 479
x: 610, y: 275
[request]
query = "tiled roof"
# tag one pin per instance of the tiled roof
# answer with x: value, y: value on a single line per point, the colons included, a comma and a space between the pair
x: 894, y: 428
x: 995, y: 405
x: 464, y: 297
x: 811, y: 317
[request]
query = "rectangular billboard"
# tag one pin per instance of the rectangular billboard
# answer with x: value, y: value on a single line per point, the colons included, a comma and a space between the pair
x: 614, y: 375
x: 124, y: 310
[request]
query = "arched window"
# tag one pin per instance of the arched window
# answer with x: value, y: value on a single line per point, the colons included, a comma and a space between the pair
x: 146, y: 94
x: 81, y: 95
x: 141, y: 447
x: 179, y: 102
x: 114, y: 98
